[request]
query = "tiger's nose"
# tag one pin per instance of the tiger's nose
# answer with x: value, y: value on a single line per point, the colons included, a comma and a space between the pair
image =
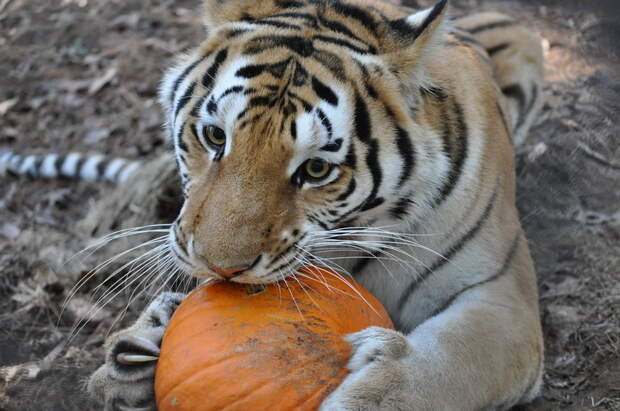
x: 229, y: 273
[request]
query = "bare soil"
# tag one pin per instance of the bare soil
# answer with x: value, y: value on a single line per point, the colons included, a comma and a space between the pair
x: 80, y: 75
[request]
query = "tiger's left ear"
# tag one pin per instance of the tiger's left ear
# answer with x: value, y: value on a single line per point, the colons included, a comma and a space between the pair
x: 414, y: 38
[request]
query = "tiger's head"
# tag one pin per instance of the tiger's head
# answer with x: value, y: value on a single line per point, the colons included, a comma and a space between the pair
x: 290, y: 120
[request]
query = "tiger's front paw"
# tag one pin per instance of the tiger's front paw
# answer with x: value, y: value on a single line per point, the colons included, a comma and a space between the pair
x: 378, y: 378
x: 125, y: 381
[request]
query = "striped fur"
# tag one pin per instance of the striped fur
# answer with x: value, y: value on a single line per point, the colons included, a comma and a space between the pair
x: 73, y: 165
x: 410, y: 120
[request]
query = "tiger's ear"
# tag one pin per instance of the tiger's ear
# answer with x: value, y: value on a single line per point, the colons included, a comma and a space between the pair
x: 218, y: 12
x: 414, y: 38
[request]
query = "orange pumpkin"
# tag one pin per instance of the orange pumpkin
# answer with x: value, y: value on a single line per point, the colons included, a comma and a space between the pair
x: 280, y: 348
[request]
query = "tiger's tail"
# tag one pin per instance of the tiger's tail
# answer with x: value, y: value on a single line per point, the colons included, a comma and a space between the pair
x: 516, y: 55
x: 76, y: 166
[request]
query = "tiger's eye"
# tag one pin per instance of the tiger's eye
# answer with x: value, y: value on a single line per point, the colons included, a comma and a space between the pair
x: 317, y: 168
x: 215, y: 136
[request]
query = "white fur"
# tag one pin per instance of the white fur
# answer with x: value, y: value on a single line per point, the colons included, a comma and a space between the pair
x: 112, y: 169
x: 89, y: 169
x: 69, y: 166
x: 127, y: 171
x: 48, y: 167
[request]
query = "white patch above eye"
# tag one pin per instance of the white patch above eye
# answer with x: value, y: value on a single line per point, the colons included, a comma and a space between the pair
x: 230, y: 106
x: 227, y: 78
x: 312, y: 134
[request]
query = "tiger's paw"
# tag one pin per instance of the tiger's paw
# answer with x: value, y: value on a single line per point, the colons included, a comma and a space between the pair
x: 378, y: 373
x: 125, y: 381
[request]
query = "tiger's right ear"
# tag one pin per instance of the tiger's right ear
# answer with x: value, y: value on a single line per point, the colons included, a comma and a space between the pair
x: 218, y: 12
x: 412, y: 39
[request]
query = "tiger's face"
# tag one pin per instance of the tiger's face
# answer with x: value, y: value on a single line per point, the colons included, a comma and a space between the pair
x: 284, y: 128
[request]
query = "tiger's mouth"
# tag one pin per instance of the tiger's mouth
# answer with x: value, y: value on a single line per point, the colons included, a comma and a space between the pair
x: 265, y: 269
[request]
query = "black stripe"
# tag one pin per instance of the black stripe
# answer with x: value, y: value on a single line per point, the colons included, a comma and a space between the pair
x: 251, y: 71
x: 353, y: 12
x: 401, y: 208
x: 338, y: 27
x: 457, y: 152
x: 364, y: 261
x: 466, y: 38
x: 373, y: 203
x: 372, y: 161
x: 180, y: 143
x: 293, y: 129
x: 60, y: 160
x: 289, y: 4
x: 195, y: 111
x: 351, y: 158
x: 324, y: 92
x: 496, y: 49
x: 231, y: 90
x: 529, y: 107
x: 331, y: 62
x: 101, y: 167
x: 325, y: 122
x: 78, y: 166
x: 36, y: 168
x: 363, y: 131
x: 196, y: 136
x: 235, y: 32
x: 278, y: 24
x: 209, y: 76
x: 310, y: 20
x: 182, y: 77
x: 333, y: 146
x: 350, y: 189
x: 343, y: 43
x: 307, y: 106
x: 406, y: 151
x: 453, y: 250
x: 116, y: 175
x: 295, y: 15
x: 279, y: 68
x: 318, y: 222
x: 371, y: 91
x: 297, y: 44
x: 251, y: 120
x: 503, y: 269
x: 491, y: 26
x: 260, y: 101
x: 211, y: 106
x: 187, y: 96
x: 515, y: 92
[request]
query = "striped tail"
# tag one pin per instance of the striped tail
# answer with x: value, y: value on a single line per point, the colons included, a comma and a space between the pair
x: 74, y: 166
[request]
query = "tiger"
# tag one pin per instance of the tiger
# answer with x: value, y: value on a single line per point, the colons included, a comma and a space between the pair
x: 375, y: 139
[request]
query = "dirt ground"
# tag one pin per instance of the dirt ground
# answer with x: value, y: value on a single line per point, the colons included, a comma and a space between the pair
x: 82, y: 75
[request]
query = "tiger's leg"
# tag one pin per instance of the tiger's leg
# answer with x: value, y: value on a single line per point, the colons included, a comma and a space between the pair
x: 125, y: 380
x: 483, y: 350
x: 518, y: 64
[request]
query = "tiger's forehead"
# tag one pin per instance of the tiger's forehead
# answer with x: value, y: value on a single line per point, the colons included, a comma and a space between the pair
x: 305, y: 106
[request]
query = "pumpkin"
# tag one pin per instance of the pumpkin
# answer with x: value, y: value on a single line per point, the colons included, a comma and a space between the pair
x: 279, y: 347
